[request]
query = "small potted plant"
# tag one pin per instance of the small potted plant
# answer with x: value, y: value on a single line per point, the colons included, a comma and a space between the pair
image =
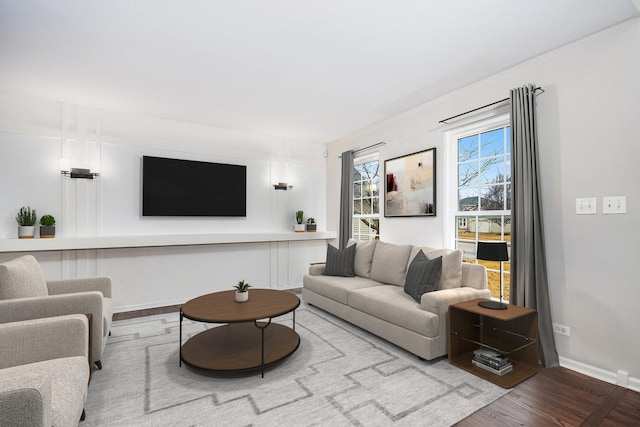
x: 47, y: 227
x: 26, y: 223
x: 311, y: 224
x: 242, y: 291
x: 299, y: 222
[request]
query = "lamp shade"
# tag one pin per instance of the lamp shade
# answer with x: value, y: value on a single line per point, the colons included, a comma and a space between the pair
x: 493, y: 251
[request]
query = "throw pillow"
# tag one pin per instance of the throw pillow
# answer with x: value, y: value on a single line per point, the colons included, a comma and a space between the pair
x: 390, y: 263
x: 340, y: 262
x: 423, y: 275
x: 364, y: 256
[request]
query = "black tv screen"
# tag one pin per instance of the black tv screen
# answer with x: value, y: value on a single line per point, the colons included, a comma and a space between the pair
x: 174, y: 187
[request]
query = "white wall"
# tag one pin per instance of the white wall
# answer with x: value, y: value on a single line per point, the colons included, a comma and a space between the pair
x: 35, y: 133
x: 588, y: 131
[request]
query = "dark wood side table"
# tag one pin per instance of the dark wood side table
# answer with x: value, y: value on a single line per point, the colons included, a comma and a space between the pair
x: 512, y: 333
x: 244, y: 342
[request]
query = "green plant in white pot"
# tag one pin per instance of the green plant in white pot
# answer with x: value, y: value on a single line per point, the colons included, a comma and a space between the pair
x: 47, y: 227
x: 299, y: 227
x: 242, y: 291
x: 26, y: 223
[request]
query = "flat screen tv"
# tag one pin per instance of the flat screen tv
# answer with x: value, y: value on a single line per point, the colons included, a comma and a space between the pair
x: 174, y: 187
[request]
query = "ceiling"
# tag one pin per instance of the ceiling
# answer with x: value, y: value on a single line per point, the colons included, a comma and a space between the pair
x: 305, y: 70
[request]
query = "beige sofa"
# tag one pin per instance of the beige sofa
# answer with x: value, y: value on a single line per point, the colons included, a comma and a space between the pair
x: 44, y: 371
x: 375, y: 300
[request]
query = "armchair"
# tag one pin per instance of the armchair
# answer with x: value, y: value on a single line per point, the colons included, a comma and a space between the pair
x: 24, y: 295
x: 44, y: 371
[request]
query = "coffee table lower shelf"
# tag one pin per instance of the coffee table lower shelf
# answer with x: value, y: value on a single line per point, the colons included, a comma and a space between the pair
x: 238, y: 346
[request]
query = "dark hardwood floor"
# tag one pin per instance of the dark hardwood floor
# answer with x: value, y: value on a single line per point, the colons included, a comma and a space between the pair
x: 560, y: 397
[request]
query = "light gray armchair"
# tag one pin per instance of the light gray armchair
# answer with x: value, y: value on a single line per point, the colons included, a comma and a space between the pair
x: 24, y: 295
x: 44, y: 371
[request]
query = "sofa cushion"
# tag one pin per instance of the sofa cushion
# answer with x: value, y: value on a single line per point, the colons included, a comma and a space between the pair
x: 340, y: 262
x: 390, y: 263
x: 336, y: 288
x: 364, y: 256
x: 391, y: 304
x: 422, y: 276
x: 451, y: 276
x: 22, y: 278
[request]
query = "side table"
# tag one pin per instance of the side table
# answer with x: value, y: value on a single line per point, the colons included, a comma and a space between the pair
x: 512, y: 333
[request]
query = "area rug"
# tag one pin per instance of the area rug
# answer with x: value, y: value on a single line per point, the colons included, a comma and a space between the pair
x: 339, y: 376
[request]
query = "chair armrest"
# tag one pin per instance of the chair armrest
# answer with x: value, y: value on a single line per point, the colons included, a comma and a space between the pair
x: 474, y: 276
x: 36, y: 340
x: 68, y: 286
x: 317, y: 269
x: 25, y: 399
x: 438, y: 302
x: 17, y: 309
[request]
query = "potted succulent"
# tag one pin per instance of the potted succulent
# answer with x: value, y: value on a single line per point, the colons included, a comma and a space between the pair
x: 299, y: 222
x: 26, y: 223
x: 47, y: 227
x: 242, y: 291
x: 311, y: 224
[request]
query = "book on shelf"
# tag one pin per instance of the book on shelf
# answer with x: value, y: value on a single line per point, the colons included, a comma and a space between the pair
x: 492, y: 362
x: 491, y: 357
x: 498, y: 371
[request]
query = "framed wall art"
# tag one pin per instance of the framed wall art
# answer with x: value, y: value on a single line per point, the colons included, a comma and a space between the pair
x: 411, y: 185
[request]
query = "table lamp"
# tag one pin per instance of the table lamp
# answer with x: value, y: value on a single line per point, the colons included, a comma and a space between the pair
x: 493, y: 251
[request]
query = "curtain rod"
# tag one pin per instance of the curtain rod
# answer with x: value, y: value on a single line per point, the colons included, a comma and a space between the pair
x: 484, y: 106
x: 366, y: 148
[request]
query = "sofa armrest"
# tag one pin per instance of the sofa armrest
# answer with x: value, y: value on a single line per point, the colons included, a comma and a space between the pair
x: 25, y: 399
x: 317, y: 269
x: 438, y: 302
x: 68, y: 286
x: 37, y: 340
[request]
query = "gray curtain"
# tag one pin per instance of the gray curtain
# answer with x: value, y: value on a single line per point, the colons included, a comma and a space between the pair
x: 529, y: 284
x: 346, y: 199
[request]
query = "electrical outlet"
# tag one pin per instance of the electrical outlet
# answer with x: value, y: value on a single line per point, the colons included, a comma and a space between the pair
x: 614, y: 205
x: 586, y: 206
x: 561, y: 329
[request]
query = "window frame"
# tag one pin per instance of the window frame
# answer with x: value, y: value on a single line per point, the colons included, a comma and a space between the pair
x: 450, y: 227
x: 366, y: 158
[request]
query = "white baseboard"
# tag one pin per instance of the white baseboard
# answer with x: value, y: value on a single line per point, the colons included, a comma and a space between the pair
x: 620, y: 378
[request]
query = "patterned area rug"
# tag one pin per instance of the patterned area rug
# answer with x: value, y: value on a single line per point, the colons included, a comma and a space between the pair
x: 340, y: 376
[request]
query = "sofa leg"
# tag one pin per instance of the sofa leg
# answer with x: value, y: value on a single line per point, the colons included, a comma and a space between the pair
x: 83, y: 416
x: 422, y: 359
x: 98, y: 364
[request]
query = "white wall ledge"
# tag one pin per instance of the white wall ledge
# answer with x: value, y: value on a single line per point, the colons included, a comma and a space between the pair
x: 143, y: 241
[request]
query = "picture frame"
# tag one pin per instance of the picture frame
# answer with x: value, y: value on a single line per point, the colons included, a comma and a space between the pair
x: 410, y: 187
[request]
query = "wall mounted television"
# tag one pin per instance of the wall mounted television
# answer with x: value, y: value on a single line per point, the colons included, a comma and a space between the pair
x: 175, y: 187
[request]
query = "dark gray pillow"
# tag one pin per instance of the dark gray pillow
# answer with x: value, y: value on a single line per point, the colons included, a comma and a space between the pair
x: 423, y: 275
x: 340, y: 262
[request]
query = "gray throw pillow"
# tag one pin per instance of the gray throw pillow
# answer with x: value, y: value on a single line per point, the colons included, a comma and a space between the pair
x: 423, y: 275
x: 340, y: 262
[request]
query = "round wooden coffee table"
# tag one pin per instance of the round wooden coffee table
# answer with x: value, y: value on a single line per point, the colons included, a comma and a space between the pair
x: 243, y: 342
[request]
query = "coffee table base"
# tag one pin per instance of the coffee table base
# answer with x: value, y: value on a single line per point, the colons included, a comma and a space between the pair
x: 239, y: 346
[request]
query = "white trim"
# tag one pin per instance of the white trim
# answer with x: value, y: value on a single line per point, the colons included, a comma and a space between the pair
x: 632, y: 383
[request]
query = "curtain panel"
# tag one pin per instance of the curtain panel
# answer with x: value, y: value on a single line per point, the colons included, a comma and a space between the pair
x: 529, y: 283
x: 346, y: 199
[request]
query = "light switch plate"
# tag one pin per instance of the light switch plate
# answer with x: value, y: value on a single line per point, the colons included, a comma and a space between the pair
x: 586, y: 206
x: 614, y: 205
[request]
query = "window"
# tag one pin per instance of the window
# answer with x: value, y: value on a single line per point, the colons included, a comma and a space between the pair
x: 482, y: 187
x: 366, y: 198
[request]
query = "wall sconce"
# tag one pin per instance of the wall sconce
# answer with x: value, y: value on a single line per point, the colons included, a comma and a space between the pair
x: 81, y: 173
x: 282, y: 186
